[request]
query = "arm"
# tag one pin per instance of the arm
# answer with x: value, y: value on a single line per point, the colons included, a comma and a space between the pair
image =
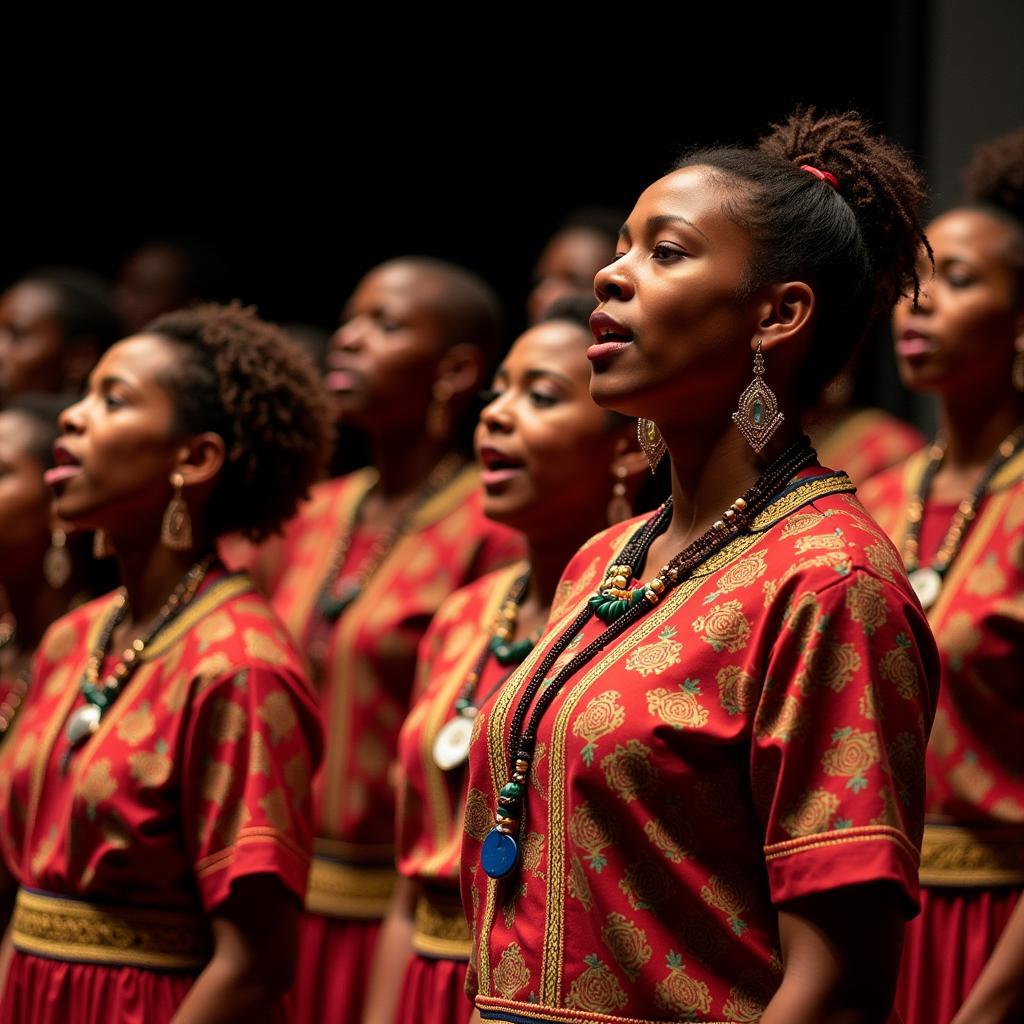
x: 998, y: 994
x: 394, y: 948
x: 255, y: 935
x: 841, y: 952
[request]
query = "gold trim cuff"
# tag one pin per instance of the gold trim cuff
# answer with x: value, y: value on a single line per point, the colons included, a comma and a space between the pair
x: 441, y: 930
x: 958, y: 856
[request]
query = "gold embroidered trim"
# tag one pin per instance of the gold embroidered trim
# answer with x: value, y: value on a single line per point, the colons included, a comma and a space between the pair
x: 441, y: 929
x: 348, y: 890
x: 809, y: 490
x: 446, y: 500
x: 952, y: 855
x: 840, y: 837
x: 374, y: 854
x: 221, y: 591
x: 508, y: 1009
x: 67, y: 929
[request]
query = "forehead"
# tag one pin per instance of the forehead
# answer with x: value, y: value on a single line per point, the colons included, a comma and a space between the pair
x: 30, y: 300
x: 142, y: 360
x: 401, y: 283
x: 556, y: 345
x: 576, y: 248
x: 969, y: 231
x: 690, y: 192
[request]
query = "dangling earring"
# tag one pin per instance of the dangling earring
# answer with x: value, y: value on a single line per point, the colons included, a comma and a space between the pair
x: 57, y: 560
x: 651, y: 441
x: 438, y: 418
x: 101, y: 546
x: 176, y: 530
x: 758, y: 416
x: 619, y: 508
x: 1017, y: 375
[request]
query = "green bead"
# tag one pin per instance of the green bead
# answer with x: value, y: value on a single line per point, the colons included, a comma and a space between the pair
x: 462, y: 703
x: 511, y: 791
x: 758, y: 411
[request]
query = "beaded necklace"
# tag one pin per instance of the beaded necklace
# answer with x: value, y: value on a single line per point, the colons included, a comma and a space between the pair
x: 500, y: 852
x: 335, y: 596
x: 927, y: 580
x: 451, y: 745
x: 100, y: 694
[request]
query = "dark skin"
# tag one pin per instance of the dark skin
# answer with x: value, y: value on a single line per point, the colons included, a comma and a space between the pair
x: 673, y: 290
x: 567, y: 267
x: 959, y: 344
x: 387, y: 364
x: 153, y: 280
x: 121, y: 435
x: 24, y: 538
x: 36, y: 353
x: 547, y: 453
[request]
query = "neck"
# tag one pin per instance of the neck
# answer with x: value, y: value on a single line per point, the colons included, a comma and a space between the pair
x: 34, y: 605
x: 404, y: 462
x: 548, y: 557
x: 149, y: 573
x: 973, y: 429
x: 709, y: 473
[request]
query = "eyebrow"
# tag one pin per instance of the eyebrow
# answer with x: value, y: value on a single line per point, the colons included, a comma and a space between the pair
x: 663, y: 220
x: 532, y: 375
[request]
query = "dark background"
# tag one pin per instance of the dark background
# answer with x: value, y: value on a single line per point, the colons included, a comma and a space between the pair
x: 307, y: 153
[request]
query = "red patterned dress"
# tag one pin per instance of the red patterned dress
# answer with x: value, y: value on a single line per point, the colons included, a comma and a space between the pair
x: 972, y: 867
x: 867, y: 441
x: 199, y: 775
x: 431, y: 801
x: 756, y: 737
x: 368, y: 666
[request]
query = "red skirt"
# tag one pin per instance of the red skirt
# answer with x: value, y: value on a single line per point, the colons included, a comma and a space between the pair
x: 946, y: 947
x: 433, y: 992
x: 335, y: 960
x: 43, y: 991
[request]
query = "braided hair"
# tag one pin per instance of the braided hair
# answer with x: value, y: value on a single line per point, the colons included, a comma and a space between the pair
x: 856, y: 244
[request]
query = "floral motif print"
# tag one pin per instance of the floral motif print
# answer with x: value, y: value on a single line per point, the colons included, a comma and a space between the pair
x: 592, y: 829
x: 852, y: 754
x: 680, y: 994
x: 897, y: 667
x: 812, y: 814
x: 679, y: 708
x: 628, y: 944
x: 601, y: 716
x: 628, y: 769
x: 511, y: 975
x: 737, y: 690
x: 596, y: 989
x: 725, y: 627
x: 653, y: 659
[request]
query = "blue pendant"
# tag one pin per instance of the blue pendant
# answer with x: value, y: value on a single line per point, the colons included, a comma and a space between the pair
x: 500, y: 854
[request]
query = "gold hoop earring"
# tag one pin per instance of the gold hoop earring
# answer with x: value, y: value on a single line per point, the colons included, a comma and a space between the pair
x: 176, y: 529
x: 619, y: 508
x: 758, y: 415
x: 651, y: 441
x: 57, y: 560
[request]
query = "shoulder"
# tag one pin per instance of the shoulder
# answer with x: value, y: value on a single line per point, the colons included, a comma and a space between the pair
x: 467, y: 602
x: 882, y: 491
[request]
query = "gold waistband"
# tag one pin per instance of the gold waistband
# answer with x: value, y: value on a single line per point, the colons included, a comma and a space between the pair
x: 441, y: 929
x: 68, y: 929
x: 337, y: 889
x: 955, y: 855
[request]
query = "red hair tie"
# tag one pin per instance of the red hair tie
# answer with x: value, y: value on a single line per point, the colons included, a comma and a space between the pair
x: 821, y: 175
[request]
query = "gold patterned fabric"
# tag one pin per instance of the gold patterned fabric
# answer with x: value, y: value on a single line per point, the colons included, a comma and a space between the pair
x: 65, y: 929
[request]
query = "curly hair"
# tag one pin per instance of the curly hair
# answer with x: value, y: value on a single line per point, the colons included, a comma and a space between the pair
x: 994, y: 182
x: 243, y: 379
x: 857, y: 245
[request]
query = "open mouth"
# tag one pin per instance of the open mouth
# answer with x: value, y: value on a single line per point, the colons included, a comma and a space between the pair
x: 911, y: 343
x: 497, y: 467
x: 607, y: 330
x: 67, y: 466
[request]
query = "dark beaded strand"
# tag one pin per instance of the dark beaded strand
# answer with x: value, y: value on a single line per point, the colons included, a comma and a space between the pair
x: 500, y: 853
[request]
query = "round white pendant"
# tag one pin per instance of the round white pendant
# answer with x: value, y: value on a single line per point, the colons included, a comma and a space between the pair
x: 451, y: 747
x: 83, y: 723
x: 927, y: 584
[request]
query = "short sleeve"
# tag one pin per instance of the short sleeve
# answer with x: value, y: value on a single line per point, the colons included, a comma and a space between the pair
x: 249, y: 758
x: 837, y: 757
